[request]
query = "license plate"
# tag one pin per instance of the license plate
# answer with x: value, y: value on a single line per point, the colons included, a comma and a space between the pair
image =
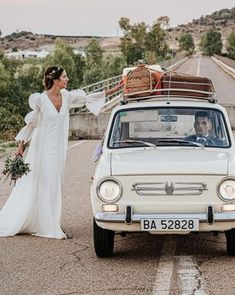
x: 170, y: 224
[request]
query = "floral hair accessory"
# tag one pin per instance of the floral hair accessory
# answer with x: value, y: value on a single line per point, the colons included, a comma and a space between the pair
x: 53, y: 72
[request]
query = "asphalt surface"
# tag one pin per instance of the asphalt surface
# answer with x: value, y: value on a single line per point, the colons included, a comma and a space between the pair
x: 142, y: 263
x: 224, y: 84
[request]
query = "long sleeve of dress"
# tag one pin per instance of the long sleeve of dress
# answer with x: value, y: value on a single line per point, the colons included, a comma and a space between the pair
x: 31, y: 119
x: 94, y: 102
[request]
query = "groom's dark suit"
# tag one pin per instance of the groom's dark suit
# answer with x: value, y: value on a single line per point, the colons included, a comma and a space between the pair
x: 205, y: 140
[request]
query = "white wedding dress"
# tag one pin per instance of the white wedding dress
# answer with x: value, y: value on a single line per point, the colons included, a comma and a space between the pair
x: 34, y: 206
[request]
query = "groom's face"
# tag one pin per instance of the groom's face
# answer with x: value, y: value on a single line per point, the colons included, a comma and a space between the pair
x: 202, y: 126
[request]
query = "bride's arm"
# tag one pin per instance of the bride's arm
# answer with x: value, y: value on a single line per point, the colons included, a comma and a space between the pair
x: 114, y: 89
x: 31, y: 120
x: 94, y: 101
x: 25, y: 134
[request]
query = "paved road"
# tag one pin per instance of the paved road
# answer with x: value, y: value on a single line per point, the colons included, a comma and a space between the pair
x: 142, y: 263
x: 224, y: 84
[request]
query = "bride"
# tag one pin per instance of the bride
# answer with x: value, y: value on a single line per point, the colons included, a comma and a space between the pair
x: 34, y: 206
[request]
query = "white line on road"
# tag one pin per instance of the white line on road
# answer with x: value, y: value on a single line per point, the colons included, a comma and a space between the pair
x: 199, y: 66
x: 189, y: 277
x: 76, y: 144
x: 162, y: 283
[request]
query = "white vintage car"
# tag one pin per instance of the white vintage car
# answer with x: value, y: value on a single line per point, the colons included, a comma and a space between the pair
x: 167, y: 167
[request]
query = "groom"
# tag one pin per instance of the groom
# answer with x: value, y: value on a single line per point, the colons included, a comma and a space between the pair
x: 203, y: 125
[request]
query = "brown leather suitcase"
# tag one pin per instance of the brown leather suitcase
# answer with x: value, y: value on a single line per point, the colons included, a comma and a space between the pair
x: 188, y: 83
x: 140, y: 82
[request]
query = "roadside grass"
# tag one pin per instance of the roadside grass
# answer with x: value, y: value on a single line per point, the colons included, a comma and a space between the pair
x: 7, y: 147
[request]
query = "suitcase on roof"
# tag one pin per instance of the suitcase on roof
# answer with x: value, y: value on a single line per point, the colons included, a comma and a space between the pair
x: 141, y: 81
x: 186, y: 85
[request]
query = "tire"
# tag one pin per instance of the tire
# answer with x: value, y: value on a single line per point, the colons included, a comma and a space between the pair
x: 230, y: 239
x: 103, y: 241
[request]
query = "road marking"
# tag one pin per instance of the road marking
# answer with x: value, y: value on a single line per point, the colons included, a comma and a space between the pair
x: 189, y: 277
x: 76, y: 144
x: 162, y: 283
x: 198, y: 66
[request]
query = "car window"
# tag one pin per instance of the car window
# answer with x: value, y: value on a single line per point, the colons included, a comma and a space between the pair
x: 168, y: 126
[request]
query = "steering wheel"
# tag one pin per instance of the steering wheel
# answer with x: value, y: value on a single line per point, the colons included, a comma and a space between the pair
x: 204, y: 140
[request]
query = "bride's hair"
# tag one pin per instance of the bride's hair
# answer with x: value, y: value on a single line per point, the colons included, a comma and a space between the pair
x: 51, y: 73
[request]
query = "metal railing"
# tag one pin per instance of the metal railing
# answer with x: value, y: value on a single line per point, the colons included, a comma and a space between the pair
x: 100, y: 86
x: 225, y: 60
x: 113, y: 100
x: 230, y: 70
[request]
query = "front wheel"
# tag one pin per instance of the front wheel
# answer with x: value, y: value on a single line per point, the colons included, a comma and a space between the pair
x: 103, y: 241
x: 230, y: 239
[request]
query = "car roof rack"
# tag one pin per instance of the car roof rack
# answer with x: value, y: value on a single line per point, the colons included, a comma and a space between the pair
x: 168, y: 94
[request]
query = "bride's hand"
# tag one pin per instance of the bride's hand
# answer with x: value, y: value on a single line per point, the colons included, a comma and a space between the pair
x: 114, y: 89
x: 20, y: 150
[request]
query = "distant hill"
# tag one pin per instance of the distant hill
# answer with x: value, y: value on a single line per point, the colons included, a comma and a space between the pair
x: 30, y: 41
x: 222, y: 20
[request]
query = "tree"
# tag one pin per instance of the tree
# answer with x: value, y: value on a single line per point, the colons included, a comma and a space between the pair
x: 133, y: 41
x: 9, y: 124
x: 186, y: 42
x: 156, y: 42
x: 231, y: 45
x: 141, y: 41
x: 4, y: 81
x: 130, y: 50
x: 94, y: 59
x: 211, y: 43
x: 125, y: 25
x: 94, y: 53
x: 27, y: 82
x: 11, y: 65
x: 80, y: 67
x: 112, y: 65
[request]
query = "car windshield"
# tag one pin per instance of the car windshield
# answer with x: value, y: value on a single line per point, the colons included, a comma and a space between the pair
x: 168, y: 126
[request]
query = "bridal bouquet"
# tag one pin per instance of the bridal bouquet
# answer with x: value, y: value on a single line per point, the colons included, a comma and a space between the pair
x: 15, y: 168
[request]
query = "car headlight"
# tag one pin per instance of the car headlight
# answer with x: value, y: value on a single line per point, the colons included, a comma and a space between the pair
x: 226, y: 189
x: 109, y: 190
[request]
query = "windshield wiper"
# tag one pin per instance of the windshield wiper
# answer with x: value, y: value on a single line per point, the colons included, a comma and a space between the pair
x: 136, y: 141
x: 181, y: 141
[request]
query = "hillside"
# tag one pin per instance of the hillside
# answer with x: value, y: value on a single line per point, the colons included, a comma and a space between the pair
x: 27, y: 40
x: 222, y: 20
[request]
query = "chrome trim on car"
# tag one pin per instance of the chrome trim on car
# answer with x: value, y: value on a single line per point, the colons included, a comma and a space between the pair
x: 169, y: 188
x: 218, y: 217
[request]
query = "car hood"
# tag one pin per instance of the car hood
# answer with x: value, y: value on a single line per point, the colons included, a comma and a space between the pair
x: 169, y: 161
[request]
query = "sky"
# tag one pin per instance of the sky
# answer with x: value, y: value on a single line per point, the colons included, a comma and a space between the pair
x: 97, y: 17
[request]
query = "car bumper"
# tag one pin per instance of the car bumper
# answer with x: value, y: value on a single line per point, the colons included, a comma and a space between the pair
x: 136, y: 218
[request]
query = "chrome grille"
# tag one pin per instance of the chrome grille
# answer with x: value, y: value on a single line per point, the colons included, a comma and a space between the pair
x: 169, y: 188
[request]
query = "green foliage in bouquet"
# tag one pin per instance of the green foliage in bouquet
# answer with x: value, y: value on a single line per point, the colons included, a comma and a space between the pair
x: 15, y: 169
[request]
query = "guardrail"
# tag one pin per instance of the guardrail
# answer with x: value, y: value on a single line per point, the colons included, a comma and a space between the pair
x: 113, y: 100
x: 226, y: 68
x: 226, y: 60
x: 230, y: 108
